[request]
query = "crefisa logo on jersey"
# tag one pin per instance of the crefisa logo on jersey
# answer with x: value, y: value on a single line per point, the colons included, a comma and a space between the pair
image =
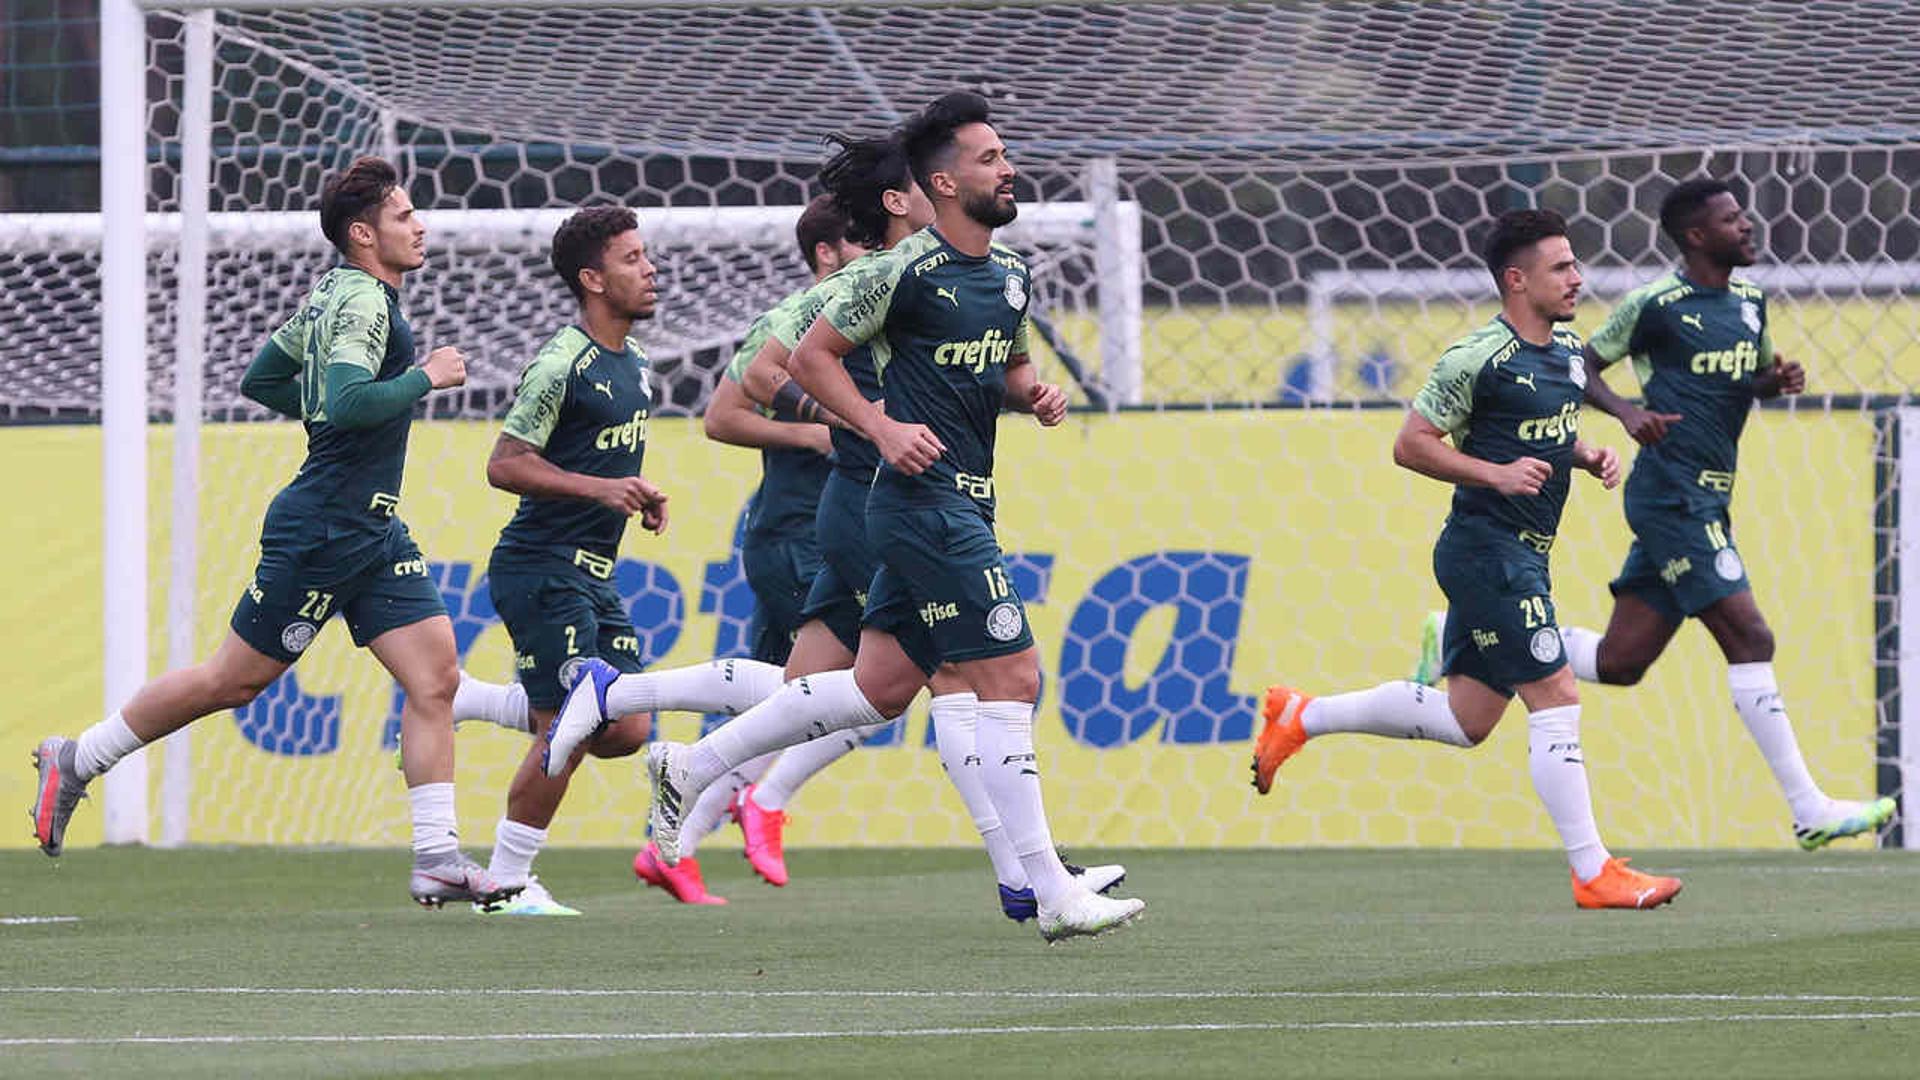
x: 297, y: 636
x: 1750, y: 314
x: 1726, y: 563
x: 1004, y: 622
x: 1545, y: 645
x: 1016, y: 292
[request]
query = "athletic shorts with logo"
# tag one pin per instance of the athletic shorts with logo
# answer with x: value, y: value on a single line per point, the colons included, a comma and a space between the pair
x: 838, y: 593
x: 781, y: 573
x: 1500, y: 619
x: 558, y: 615
x: 943, y: 589
x: 1682, y: 561
x: 296, y: 588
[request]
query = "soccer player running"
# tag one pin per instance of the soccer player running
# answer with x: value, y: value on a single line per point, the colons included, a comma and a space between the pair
x: 331, y: 540
x: 949, y: 307
x: 1699, y: 342
x: 572, y: 447
x: 780, y: 554
x: 1509, y: 396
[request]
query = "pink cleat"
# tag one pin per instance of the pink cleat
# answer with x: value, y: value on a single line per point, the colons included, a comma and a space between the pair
x: 682, y: 881
x: 762, y: 828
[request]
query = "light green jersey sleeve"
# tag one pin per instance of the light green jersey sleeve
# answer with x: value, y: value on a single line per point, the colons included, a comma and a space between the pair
x: 789, y: 322
x: 749, y: 347
x: 1617, y: 336
x: 1023, y: 338
x: 859, y: 310
x: 357, y: 331
x: 1446, y: 401
x: 540, y: 396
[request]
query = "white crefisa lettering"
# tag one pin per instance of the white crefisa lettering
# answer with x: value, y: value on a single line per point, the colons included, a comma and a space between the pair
x: 627, y: 436
x: 410, y: 566
x: 992, y: 347
x: 1559, y: 427
x: 1736, y: 363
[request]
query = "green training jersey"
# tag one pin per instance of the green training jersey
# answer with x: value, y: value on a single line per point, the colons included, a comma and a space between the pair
x: 790, y: 479
x: 340, y: 503
x: 852, y: 453
x: 1503, y: 398
x: 952, y: 323
x: 1696, y: 351
x: 586, y: 408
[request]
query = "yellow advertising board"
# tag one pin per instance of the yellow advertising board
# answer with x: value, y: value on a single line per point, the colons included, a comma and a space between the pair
x: 1173, y: 564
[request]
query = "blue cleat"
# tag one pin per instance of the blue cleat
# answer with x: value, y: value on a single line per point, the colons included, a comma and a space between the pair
x: 1018, y: 904
x: 582, y: 716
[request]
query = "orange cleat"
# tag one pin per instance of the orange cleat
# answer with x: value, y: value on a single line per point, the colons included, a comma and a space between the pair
x: 681, y: 880
x: 1281, y: 736
x: 1618, y: 885
x: 762, y: 828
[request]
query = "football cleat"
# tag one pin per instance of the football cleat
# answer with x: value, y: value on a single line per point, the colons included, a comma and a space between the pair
x: 57, y: 793
x: 533, y: 900
x: 1618, y: 885
x: 1281, y: 735
x: 455, y: 877
x: 1426, y: 671
x: 1849, y: 819
x: 1018, y: 904
x: 762, y: 828
x: 681, y: 881
x: 1088, y: 914
x: 582, y: 716
x: 664, y: 815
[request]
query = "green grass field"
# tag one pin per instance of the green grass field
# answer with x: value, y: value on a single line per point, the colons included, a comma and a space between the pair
x: 897, y: 963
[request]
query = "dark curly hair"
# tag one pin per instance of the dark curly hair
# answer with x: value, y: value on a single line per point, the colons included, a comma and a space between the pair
x: 354, y: 194
x: 581, y: 241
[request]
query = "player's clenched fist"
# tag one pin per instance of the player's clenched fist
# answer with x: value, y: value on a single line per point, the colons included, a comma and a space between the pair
x: 627, y: 494
x: 1049, y: 403
x: 909, y: 448
x: 446, y: 367
x: 1525, y: 476
x: 1601, y: 461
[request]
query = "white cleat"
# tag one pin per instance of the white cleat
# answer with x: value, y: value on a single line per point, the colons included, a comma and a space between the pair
x: 533, y: 900
x: 1088, y: 914
x: 669, y: 802
x: 1101, y: 878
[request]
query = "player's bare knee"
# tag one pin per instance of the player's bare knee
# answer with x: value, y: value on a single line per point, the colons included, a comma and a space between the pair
x: 623, y: 738
x: 436, y: 684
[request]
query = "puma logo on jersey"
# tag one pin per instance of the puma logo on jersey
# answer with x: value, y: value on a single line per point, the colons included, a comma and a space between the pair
x: 948, y: 293
x: 1526, y: 381
x: 1693, y: 321
x: 605, y: 388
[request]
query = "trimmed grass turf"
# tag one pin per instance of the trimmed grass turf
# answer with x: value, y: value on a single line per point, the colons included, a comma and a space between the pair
x: 1271, y: 943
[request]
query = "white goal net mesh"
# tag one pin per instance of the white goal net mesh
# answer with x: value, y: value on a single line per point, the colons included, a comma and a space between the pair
x: 1309, y: 183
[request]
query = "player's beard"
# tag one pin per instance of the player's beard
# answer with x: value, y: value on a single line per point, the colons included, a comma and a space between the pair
x: 988, y: 210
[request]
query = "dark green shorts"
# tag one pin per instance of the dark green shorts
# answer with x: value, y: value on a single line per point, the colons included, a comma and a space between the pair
x: 780, y: 572
x: 1682, y: 561
x: 1500, y: 619
x: 558, y: 616
x: 289, y: 599
x: 943, y: 588
x: 838, y: 594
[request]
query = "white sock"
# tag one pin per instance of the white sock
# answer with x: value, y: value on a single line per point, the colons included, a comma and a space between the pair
x: 720, y: 686
x: 434, y: 831
x: 712, y: 804
x: 1756, y: 696
x: 514, y: 846
x: 801, y: 763
x: 954, y: 733
x: 1004, y: 741
x: 1397, y: 710
x: 505, y: 705
x: 806, y: 708
x: 1559, y: 771
x: 98, y: 747
x: 1583, y: 652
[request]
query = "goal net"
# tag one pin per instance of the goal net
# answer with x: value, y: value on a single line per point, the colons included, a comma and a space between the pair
x: 1255, y: 226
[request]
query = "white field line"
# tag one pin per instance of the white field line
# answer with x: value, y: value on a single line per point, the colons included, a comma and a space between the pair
x: 991, y: 995
x: 36, y: 920
x: 948, y: 1032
